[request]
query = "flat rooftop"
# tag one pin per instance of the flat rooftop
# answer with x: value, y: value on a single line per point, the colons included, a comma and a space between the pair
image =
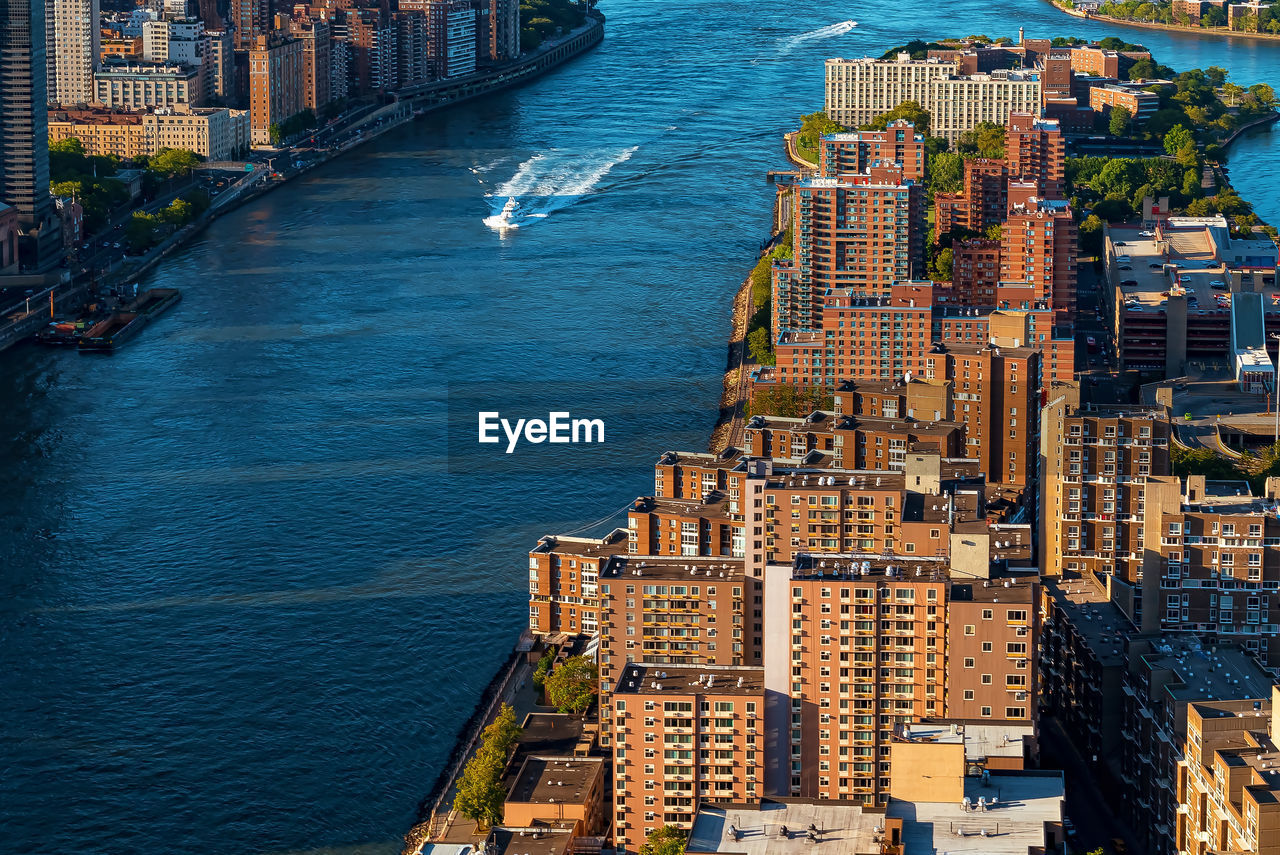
x: 555, y: 780
x: 1025, y: 802
x: 840, y: 828
x: 546, y: 841
x: 613, y: 543
x: 1207, y: 672
x: 690, y: 679
x: 980, y: 740
x: 1099, y: 621
x: 676, y: 568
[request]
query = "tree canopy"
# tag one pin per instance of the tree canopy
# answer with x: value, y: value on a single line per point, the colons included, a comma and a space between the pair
x: 573, y: 685
x: 667, y: 840
x: 909, y: 110
x: 480, y: 796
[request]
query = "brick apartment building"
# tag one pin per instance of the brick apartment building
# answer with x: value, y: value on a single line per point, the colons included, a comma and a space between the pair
x: 682, y: 735
x: 855, y: 152
x: 855, y: 234
x: 1035, y: 151
x: 1038, y: 247
x: 861, y: 648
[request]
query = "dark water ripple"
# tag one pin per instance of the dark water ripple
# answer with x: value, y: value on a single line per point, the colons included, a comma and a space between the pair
x: 248, y: 591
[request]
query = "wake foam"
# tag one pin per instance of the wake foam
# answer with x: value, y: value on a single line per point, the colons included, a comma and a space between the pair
x: 548, y: 182
x: 792, y: 42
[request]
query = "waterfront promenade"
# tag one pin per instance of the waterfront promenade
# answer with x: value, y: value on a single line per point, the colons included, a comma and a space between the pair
x: 1221, y: 32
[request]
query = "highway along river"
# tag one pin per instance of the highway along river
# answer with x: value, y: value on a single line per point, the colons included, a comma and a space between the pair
x: 248, y: 592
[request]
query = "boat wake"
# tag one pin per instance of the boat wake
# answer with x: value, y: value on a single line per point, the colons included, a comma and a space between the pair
x: 549, y: 182
x: 792, y: 42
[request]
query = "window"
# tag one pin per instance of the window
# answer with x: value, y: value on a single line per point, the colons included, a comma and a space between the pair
x: 970, y: 629
x: 968, y: 662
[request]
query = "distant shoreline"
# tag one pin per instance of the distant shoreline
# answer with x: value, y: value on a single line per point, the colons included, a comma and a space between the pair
x: 1169, y: 28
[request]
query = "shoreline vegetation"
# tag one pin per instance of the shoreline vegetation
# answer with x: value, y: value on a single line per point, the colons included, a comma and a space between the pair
x: 1134, y: 13
x: 1201, y: 114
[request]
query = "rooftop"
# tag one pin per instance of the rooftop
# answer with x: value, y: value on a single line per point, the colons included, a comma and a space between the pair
x: 1205, y: 672
x: 675, y: 567
x: 542, y: 841
x: 613, y: 543
x: 1024, y: 803
x: 1099, y: 621
x: 777, y: 829
x: 551, y: 780
x: 980, y: 740
x: 690, y: 680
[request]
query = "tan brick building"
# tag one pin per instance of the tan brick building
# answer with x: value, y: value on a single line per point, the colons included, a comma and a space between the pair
x: 683, y: 735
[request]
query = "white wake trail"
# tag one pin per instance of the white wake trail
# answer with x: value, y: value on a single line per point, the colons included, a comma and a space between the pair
x: 549, y: 182
x: 791, y: 43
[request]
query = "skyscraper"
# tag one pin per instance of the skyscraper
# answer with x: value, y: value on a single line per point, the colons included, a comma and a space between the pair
x: 24, y: 151
x: 74, y: 45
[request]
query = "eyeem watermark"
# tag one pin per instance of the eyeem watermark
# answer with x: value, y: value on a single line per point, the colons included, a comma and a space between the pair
x: 559, y: 428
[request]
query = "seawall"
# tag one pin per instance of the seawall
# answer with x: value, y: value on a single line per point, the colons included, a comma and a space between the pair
x: 1170, y: 28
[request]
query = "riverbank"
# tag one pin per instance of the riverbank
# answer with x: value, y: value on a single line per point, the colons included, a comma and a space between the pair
x: 1169, y: 28
x: 407, y: 107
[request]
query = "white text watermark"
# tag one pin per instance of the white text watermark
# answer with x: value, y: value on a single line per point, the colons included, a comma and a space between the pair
x: 558, y: 428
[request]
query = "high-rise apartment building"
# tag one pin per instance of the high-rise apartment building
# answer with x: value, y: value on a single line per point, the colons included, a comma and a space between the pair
x: 1096, y: 465
x: 1036, y: 151
x: 316, y: 61
x: 683, y: 735
x: 275, y: 84
x: 75, y: 43
x: 856, y: 234
x: 564, y: 577
x: 1228, y: 787
x: 1038, y: 247
x: 24, y: 152
x: 249, y: 19
x: 855, y: 152
x: 859, y: 90
x: 141, y: 86
x: 451, y: 37
x: 857, y: 648
x: 982, y: 202
x: 961, y: 103
x: 499, y: 38
x: 220, y: 68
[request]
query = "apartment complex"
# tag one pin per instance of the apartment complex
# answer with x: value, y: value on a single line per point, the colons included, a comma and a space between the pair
x: 215, y: 133
x: 1038, y: 247
x: 864, y: 647
x: 857, y: 234
x: 855, y: 152
x: 24, y: 158
x: 1228, y: 787
x: 75, y: 45
x: 683, y: 735
x: 859, y: 90
x: 142, y: 86
x: 275, y: 84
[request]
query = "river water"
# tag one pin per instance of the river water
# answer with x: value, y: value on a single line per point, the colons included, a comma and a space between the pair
x: 248, y: 591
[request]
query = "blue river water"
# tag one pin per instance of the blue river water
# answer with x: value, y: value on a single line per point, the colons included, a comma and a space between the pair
x: 249, y: 590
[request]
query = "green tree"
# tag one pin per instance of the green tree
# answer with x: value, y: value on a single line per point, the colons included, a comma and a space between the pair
x: 1143, y: 69
x: 667, y: 840
x: 986, y: 139
x: 141, y: 231
x: 1178, y: 137
x: 480, y: 795
x: 993, y: 232
x: 758, y: 346
x: 178, y: 213
x: 1120, y: 121
x: 69, y: 145
x: 942, y: 264
x: 1091, y: 235
x: 813, y: 128
x: 170, y: 162
x: 946, y: 173
x: 573, y: 685
x: 909, y: 110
